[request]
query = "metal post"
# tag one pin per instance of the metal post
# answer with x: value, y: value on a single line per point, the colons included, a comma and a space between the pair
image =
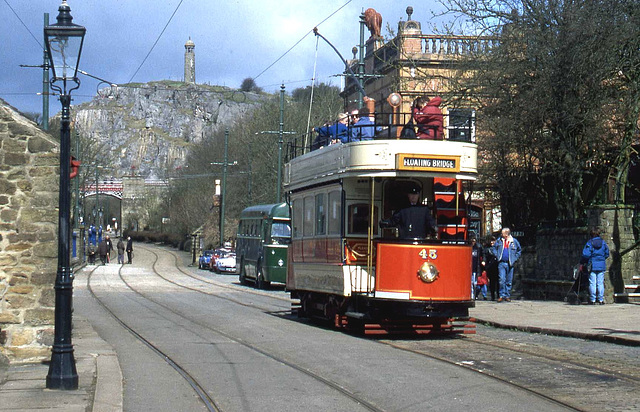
x: 280, y: 143
x: 45, y: 83
x: 76, y: 206
x: 62, y: 370
x: 250, y: 188
x: 224, y: 184
x: 361, y: 62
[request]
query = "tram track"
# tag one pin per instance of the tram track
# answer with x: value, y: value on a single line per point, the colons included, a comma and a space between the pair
x: 217, y: 284
x: 483, y: 347
x: 442, y: 359
x: 308, y: 372
x: 536, y: 370
x: 206, y: 399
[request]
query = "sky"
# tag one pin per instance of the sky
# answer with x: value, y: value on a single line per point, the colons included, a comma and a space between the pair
x: 143, y: 40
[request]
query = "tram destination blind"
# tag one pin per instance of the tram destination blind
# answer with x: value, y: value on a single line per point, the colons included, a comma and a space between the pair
x: 440, y: 163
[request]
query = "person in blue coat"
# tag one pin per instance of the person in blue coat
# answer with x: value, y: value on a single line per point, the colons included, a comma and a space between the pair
x: 507, y: 251
x: 332, y: 133
x: 596, y: 253
x: 364, y: 128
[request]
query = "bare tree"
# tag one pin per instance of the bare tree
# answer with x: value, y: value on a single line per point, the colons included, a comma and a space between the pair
x: 558, y: 99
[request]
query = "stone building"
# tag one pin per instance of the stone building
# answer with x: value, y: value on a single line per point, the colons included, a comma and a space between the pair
x: 29, y: 170
x: 411, y: 64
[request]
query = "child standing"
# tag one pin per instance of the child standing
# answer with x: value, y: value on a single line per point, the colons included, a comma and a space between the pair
x: 481, y: 285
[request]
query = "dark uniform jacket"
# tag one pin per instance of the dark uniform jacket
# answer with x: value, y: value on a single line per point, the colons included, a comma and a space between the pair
x: 413, y: 222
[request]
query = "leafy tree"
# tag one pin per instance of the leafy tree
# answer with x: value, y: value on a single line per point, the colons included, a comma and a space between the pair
x: 253, y: 146
x: 250, y: 85
x: 558, y: 97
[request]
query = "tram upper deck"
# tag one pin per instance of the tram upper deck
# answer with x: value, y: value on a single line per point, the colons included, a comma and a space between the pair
x: 386, y: 157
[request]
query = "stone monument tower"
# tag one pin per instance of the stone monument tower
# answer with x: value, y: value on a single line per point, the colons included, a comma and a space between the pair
x: 189, y: 62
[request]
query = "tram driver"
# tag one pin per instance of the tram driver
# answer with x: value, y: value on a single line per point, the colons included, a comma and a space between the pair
x: 414, y: 221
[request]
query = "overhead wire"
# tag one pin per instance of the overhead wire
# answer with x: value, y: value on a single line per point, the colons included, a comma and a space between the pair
x: 303, y: 37
x: 25, y: 26
x: 156, y: 42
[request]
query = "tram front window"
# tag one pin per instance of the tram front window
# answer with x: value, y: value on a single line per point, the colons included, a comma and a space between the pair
x: 359, y: 219
x: 280, y: 234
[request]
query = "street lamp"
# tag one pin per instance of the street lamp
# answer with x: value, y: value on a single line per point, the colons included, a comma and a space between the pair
x: 64, y: 44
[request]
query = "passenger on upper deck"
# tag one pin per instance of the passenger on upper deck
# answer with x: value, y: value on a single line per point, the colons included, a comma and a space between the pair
x: 414, y: 221
x: 428, y: 118
x: 364, y: 127
x: 332, y: 133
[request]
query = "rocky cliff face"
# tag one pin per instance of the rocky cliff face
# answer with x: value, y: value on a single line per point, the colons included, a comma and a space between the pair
x: 148, y: 128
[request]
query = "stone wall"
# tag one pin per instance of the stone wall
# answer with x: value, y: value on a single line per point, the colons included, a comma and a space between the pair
x: 29, y: 160
x: 546, y: 270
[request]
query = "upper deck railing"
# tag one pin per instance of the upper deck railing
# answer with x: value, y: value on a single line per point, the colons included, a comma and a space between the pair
x: 458, y: 126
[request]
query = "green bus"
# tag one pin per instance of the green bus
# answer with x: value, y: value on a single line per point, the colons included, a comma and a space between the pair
x: 264, y: 234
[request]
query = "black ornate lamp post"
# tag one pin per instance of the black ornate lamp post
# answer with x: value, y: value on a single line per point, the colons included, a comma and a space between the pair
x: 64, y: 44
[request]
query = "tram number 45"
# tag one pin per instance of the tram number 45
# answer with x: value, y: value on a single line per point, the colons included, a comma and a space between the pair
x: 431, y: 254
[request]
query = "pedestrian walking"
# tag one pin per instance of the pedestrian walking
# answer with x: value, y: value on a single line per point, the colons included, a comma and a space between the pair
x: 92, y: 254
x: 129, y: 250
x: 596, y: 253
x: 120, y: 248
x: 507, y: 251
x: 109, y: 248
x: 102, y: 251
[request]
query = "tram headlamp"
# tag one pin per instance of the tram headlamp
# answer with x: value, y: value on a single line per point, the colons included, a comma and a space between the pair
x: 428, y: 272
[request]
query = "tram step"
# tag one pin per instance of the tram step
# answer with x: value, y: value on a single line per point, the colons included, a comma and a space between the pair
x: 355, y: 315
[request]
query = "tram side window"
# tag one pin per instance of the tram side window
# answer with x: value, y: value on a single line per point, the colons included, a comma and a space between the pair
x: 297, y: 218
x: 359, y: 219
x: 320, y: 215
x: 308, y: 216
x: 334, y: 212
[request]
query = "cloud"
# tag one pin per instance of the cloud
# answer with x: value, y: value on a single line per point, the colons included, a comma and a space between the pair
x: 234, y: 40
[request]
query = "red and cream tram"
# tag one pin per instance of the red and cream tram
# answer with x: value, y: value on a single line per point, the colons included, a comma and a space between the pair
x: 343, y: 266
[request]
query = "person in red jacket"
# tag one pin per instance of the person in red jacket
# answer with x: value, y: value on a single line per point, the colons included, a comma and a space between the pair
x: 481, y: 285
x: 428, y: 118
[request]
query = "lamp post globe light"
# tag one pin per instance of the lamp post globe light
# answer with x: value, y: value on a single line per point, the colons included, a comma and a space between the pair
x: 64, y: 44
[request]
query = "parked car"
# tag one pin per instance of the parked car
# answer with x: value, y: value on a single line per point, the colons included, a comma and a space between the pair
x: 226, y: 262
x: 214, y: 257
x: 205, y: 259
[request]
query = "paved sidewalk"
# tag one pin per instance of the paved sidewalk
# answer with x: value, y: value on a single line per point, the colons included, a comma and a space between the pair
x: 615, y: 323
x: 99, y: 379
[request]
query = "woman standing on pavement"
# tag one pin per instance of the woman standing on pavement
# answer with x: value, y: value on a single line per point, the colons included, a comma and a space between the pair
x: 596, y: 253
